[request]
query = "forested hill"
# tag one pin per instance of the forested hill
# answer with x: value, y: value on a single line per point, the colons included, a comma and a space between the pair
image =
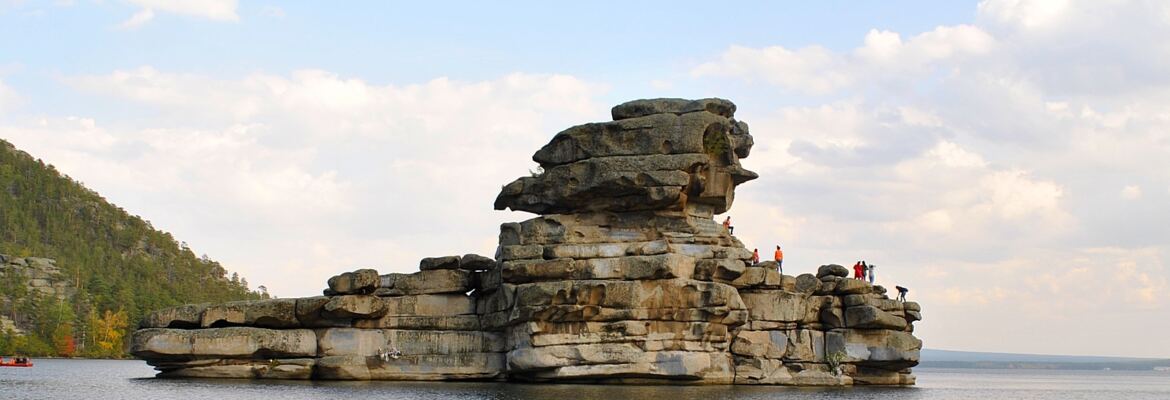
x: 117, y: 265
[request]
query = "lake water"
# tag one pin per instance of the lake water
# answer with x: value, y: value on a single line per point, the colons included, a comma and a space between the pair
x: 103, y: 379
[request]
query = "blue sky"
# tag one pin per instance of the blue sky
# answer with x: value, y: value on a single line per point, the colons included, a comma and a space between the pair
x: 1003, y: 158
x: 621, y: 43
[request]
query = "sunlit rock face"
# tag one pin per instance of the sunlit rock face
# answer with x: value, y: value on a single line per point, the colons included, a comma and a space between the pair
x: 622, y: 277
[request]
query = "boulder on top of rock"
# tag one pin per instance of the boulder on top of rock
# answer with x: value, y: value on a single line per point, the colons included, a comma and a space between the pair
x: 663, y: 154
x: 832, y: 270
x: 852, y: 286
x: 434, y: 281
x: 807, y: 284
x: 354, y: 306
x: 433, y: 263
x: 269, y: 313
x: 644, y: 107
x: 362, y: 281
x: 870, y: 317
x: 239, y: 342
x: 654, y: 134
x: 187, y: 316
x: 476, y: 262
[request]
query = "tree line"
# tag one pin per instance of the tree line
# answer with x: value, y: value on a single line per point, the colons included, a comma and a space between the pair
x: 120, y: 266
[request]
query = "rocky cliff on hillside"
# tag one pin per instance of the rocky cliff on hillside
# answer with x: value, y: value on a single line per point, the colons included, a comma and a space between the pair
x: 23, y: 276
x: 624, y: 277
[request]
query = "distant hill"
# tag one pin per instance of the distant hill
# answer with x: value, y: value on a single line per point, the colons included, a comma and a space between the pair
x: 971, y: 359
x: 111, y: 267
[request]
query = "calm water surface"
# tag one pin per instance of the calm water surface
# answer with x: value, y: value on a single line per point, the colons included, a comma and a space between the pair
x: 102, y: 379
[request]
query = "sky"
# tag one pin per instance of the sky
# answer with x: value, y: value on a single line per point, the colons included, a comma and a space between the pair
x: 1007, y: 160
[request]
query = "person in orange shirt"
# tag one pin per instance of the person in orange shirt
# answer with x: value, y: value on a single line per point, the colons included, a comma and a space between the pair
x: 727, y: 225
x: 755, y: 256
x: 779, y: 259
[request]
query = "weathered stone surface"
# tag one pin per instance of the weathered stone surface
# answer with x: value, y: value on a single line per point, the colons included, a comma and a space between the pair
x: 429, y: 305
x: 433, y: 263
x: 577, y: 313
x: 873, y: 318
x: 875, y: 376
x: 665, y: 294
x: 237, y: 342
x: 289, y: 368
x: 354, y: 306
x: 272, y: 313
x: 614, y: 360
x: 665, y: 266
x: 774, y: 305
x: 912, y: 316
x: 427, y: 367
x: 434, y: 281
x: 852, y: 286
x: 188, y: 316
x: 362, y: 281
x: 807, y: 284
x: 310, y: 313
x: 476, y: 262
x: 619, y: 183
x: 892, y: 350
x: 521, y: 252
x: 806, y: 345
x: 728, y: 270
x: 751, y: 276
x: 641, y: 108
x: 832, y: 270
x: 653, y: 162
x: 646, y: 135
x: 831, y: 316
x: 374, y: 342
x: 487, y: 281
x: 763, y: 344
x: 440, y: 323
x: 648, y: 335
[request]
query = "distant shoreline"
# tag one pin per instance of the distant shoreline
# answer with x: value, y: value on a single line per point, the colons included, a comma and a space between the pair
x: 1067, y: 366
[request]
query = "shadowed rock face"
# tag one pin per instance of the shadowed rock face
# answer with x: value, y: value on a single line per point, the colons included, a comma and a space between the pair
x: 661, y: 154
x: 624, y: 277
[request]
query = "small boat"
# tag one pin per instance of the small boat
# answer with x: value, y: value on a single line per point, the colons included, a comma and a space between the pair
x: 16, y: 362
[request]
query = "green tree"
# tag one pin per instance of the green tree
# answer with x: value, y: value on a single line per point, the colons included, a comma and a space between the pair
x: 118, y: 262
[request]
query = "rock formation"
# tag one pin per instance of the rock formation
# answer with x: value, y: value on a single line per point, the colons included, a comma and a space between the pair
x: 624, y: 277
x: 34, y: 275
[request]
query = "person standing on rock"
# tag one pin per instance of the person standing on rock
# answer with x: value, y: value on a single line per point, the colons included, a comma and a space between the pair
x: 870, y: 273
x: 902, y: 293
x: 864, y: 269
x: 727, y: 225
x: 857, y: 270
x: 779, y: 260
x: 755, y: 256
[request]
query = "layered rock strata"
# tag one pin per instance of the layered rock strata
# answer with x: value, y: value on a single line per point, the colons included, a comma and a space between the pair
x: 624, y: 277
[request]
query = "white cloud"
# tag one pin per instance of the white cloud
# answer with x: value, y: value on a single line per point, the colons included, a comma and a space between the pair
x: 1028, y: 14
x: 811, y: 69
x: 315, y: 172
x: 883, y: 57
x: 984, y: 165
x: 216, y: 10
x: 138, y: 19
x: 1131, y: 192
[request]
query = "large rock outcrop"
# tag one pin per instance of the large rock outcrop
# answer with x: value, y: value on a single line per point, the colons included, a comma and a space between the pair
x: 624, y: 277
